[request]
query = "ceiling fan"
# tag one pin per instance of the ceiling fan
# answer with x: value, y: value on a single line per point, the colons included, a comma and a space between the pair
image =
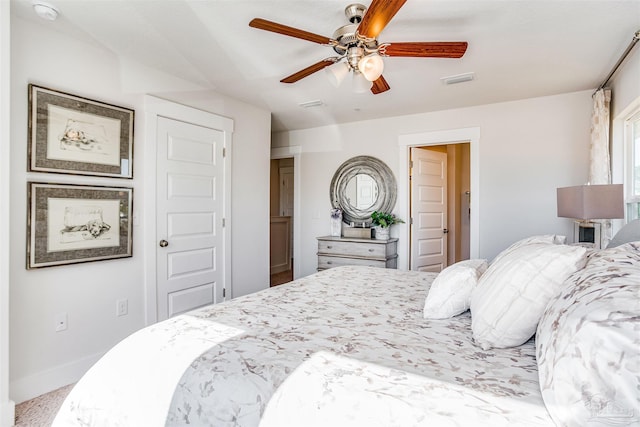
x: 357, y: 43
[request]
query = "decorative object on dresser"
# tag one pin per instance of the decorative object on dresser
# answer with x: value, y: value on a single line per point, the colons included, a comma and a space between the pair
x: 336, y: 251
x: 382, y: 222
x: 336, y: 222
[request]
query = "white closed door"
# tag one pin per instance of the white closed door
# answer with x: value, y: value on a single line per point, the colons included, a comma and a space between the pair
x: 428, y: 210
x: 190, y: 207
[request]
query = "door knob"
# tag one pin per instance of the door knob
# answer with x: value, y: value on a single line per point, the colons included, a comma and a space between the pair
x: 164, y: 243
x: 445, y: 231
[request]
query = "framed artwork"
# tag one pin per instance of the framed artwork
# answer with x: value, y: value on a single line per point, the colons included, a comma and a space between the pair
x: 70, y: 134
x: 69, y: 224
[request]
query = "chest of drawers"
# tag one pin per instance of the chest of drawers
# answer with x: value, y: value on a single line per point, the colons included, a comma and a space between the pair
x: 337, y: 251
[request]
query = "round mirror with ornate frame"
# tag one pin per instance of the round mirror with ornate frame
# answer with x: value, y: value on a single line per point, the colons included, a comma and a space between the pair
x: 361, y: 185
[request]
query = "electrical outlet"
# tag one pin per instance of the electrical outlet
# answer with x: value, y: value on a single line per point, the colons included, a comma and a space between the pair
x: 122, y: 307
x: 61, y: 322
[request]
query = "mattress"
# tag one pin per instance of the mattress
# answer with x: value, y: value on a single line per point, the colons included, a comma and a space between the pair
x: 345, y: 346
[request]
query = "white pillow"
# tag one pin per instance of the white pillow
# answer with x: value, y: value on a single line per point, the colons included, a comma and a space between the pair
x: 512, y: 294
x: 587, y: 343
x: 555, y: 239
x: 450, y: 292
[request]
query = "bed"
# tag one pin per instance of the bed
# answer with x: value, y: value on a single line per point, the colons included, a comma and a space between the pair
x: 345, y: 346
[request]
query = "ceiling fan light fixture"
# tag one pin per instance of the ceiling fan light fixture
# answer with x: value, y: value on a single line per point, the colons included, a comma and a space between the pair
x: 359, y: 83
x: 371, y: 66
x: 337, y: 72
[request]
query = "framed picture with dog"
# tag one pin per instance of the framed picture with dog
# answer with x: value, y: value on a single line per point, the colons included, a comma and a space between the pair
x: 72, y: 134
x: 70, y: 223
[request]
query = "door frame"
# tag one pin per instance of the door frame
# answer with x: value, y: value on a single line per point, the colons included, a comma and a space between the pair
x: 294, y: 152
x: 7, y: 406
x: 441, y: 137
x: 154, y: 108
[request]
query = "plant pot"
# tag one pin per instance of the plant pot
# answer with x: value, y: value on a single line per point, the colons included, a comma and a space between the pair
x: 382, y: 233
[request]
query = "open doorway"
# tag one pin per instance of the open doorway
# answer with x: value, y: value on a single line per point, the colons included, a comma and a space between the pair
x: 281, y: 222
x: 440, y: 210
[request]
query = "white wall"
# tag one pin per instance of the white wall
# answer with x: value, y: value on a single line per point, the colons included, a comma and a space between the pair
x: 6, y: 405
x: 527, y: 149
x: 42, y: 359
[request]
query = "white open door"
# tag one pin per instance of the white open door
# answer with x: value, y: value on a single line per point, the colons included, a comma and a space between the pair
x: 190, y: 216
x: 428, y: 210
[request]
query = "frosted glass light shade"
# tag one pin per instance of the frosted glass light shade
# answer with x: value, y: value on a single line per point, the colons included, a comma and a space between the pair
x: 359, y: 82
x: 371, y: 66
x: 337, y: 72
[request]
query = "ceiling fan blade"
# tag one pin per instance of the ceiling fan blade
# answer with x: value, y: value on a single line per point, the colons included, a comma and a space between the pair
x: 380, y: 85
x: 309, y: 70
x: 378, y: 16
x: 424, y: 49
x: 274, y: 27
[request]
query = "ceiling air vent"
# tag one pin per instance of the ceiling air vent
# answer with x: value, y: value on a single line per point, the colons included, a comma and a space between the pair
x: 310, y: 104
x: 458, y: 78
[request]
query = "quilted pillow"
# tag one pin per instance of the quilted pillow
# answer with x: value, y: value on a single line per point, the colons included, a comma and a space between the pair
x: 555, y: 239
x: 514, y: 291
x: 450, y: 292
x: 588, y: 343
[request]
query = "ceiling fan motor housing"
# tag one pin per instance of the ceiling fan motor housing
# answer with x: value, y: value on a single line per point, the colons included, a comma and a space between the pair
x: 354, y: 12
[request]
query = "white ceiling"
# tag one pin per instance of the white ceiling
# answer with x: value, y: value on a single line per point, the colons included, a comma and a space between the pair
x: 517, y: 49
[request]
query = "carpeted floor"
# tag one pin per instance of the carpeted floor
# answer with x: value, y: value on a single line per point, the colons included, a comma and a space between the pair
x: 40, y: 411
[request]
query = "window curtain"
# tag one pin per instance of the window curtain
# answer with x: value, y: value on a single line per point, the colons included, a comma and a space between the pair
x: 600, y: 165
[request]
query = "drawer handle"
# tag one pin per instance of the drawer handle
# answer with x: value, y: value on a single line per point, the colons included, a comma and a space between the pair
x: 329, y: 262
x: 370, y: 250
x: 329, y: 247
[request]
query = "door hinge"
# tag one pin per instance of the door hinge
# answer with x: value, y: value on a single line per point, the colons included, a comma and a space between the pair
x: 224, y: 292
x: 411, y: 221
x: 224, y: 222
x: 410, y: 163
x: 224, y: 152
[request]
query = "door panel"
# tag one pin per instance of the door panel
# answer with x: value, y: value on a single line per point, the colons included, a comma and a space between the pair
x: 185, y: 300
x: 286, y: 191
x: 190, y: 179
x: 428, y: 210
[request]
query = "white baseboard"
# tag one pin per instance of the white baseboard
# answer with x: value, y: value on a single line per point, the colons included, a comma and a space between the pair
x: 27, y: 388
x: 7, y: 413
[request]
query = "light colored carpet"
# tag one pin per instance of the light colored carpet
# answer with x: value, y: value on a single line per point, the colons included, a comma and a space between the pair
x: 40, y: 411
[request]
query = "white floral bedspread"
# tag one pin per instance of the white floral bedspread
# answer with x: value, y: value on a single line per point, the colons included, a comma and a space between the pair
x: 351, y: 343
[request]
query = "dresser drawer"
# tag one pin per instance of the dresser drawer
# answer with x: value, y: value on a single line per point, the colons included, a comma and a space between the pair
x: 364, y: 249
x: 325, y: 262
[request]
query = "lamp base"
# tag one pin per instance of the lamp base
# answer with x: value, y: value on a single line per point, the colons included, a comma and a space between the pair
x: 587, y: 232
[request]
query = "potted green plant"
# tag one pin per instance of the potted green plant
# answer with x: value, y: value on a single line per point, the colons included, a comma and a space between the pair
x: 382, y: 222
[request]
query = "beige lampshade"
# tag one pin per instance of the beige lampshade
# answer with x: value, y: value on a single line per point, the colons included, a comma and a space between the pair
x: 591, y: 202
